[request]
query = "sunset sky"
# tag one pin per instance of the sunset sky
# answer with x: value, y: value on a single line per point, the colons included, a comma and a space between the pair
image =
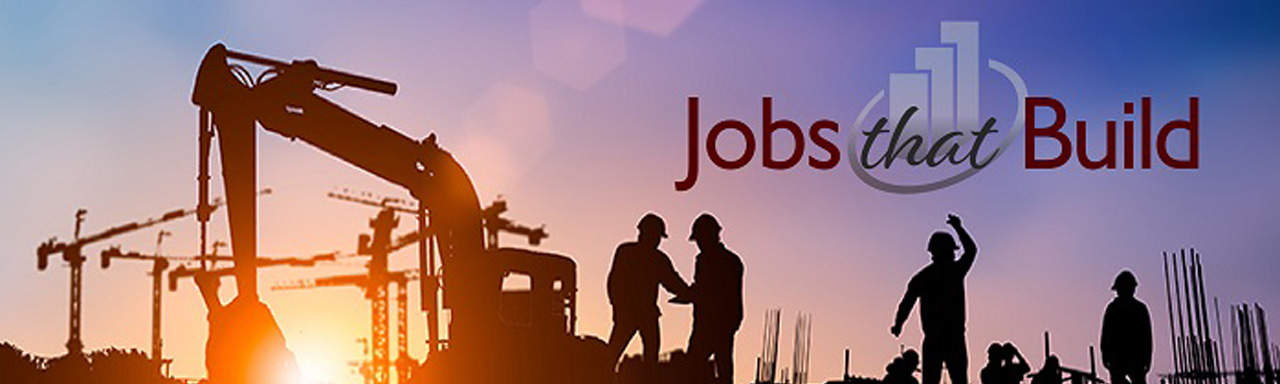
x: 575, y: 113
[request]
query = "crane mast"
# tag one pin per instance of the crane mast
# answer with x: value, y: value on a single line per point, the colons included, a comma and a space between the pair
x: 72, y: 254
x: 375, y: 283
x: 160, y: 264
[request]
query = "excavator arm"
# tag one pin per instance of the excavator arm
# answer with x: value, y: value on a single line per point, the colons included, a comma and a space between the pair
x: 287, y: 104
x: 284, y: 100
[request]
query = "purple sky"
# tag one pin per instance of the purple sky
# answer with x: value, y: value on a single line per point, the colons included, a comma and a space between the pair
x: 575, y: 113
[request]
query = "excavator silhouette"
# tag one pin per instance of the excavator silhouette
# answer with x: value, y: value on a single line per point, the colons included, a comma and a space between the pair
x: 493, y: 335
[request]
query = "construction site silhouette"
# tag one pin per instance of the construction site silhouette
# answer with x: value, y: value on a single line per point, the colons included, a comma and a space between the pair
x: 480, y: 330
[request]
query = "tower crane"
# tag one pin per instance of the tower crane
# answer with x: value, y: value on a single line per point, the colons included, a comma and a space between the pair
x: 161, y: 263
x: 158, y: 265
x: 189, y: 270
x: 491, y: 215
x: 72, y: 253
x: 375, y: 282
x: 494, y: 224
x: 379, y: 362
x: 367, y: 198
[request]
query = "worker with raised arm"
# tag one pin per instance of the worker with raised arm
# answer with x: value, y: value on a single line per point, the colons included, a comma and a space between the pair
x: 940, y: 288
x: 639, y: 267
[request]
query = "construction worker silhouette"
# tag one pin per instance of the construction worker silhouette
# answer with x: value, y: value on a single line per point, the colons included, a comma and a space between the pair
x: 1126, y: 334
x: 903, y: 368
x: 638, y: 268
x: 716, y: 295
x: 245, y: 343
x: 1005, y: 365
x: 940, y: 288
x: 1051, y: 373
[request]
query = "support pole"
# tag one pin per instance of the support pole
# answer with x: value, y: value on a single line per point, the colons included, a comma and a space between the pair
x: 429, y: 286
x: 203, y: 210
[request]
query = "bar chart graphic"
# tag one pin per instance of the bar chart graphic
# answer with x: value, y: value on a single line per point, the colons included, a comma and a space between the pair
x: 943, y: 87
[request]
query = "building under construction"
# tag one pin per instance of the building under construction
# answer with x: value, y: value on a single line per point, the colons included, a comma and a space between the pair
x: 1200, y: 352
x: 767, y: 362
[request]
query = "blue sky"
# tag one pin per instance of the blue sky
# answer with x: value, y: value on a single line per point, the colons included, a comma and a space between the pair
x: 95, y: 102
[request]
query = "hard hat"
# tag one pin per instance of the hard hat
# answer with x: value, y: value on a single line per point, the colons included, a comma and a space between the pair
x: 651, y: 223
x: 995, y: 350
x: 942, y: 241
x: 911, y: 356
x: 704, y: 225
x: 1052, y: 362
x: 1125, y: 280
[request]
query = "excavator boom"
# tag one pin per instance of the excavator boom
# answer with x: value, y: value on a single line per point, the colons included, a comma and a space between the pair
x: 287, y: 104
x: 284, y: 101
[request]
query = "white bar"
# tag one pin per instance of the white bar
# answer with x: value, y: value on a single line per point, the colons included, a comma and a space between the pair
x: 907, y: 90
x: 965, y: 36
x: 940, y: 62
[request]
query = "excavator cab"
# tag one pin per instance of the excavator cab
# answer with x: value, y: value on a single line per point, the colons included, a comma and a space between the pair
x: 545, y: 304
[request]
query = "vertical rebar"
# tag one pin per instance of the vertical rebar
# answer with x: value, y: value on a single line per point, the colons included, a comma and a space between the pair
x: 1180, y: 347
x: 1046, y: 346
x: 1222, y: 360
x: 1168, y: 299
x: 1208, y: 338
x: 1197, y: 279
x: 846, y: 364
x: 1235, y: 339
x: 1264, y: 343
x: 1093, y: 363
x: 1186, y: 302
x: 1247, y: 358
